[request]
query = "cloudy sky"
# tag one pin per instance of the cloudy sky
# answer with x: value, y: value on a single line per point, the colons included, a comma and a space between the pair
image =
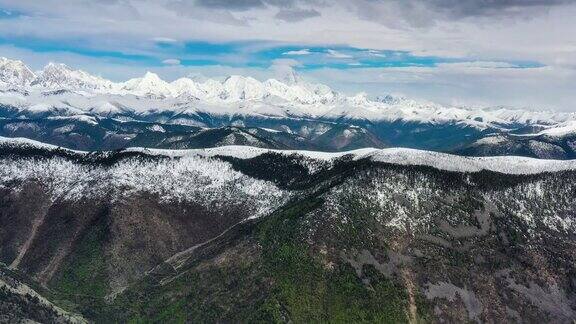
x: 481, y: 52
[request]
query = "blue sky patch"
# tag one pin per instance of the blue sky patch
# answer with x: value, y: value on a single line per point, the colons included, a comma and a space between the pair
x: 9, y: 14
x: 44, y: 46
x: 250, y: 54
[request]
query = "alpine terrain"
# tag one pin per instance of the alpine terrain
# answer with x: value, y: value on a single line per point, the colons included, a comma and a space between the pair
x: 248, y: 234
x: 287, y: 161
x: 71, y: 108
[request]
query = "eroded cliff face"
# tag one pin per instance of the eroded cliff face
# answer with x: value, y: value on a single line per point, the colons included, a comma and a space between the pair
x: 281, y: 237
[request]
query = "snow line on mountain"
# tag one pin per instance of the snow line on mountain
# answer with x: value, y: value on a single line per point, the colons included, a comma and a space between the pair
x: 400, y: 156
x: 59, y: 89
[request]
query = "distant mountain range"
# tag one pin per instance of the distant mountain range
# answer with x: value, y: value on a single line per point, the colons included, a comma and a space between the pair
x: 71, y: 108
x: 554, y: 143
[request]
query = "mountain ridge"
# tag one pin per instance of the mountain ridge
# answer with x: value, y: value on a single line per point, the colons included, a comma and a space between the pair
x: 305, y: 98
x: 396, y: 156
x: 242, y: 234
x: 308, y: 115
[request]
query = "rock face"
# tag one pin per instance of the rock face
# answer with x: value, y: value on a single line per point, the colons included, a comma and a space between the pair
x: 244, y: 235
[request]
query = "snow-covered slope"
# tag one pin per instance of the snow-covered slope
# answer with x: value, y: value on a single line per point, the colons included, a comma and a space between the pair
x: 149, y: 84
x: 442, y: 161
x: 236, y: 95
x: 60, y: 76
x: 15, y: 73
x: 401, y: 156
x: 186, y: 86
x: 563, y: 129
x: 192, y: 177
x: 449, y: 162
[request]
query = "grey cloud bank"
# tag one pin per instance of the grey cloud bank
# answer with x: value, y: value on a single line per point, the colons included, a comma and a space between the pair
x: 486, y: 30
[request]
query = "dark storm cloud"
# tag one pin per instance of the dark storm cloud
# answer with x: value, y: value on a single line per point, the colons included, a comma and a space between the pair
x: 425, y: 13
x: 289, y: 10
x: 240, y: 5
x: 230, y: 4
x: 457, y: 7
x: 393, y: 13
x: 467, y: 8
x: 294, y: 15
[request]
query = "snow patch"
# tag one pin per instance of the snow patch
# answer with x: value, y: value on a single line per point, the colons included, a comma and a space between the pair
x: 204, y: 180
x: 560, y: 130
x: 401, y: 156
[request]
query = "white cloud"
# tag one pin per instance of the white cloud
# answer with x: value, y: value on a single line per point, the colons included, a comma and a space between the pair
x: 539, y: 88
x: 164, y: 40
x: 298, y: 52
x: 376, y: 53
x: 428, y: 29
x: 547, y: 87
x: 336, y: 54
x: 171, y: 62
x: 478, y: 65
x: 286, y: 62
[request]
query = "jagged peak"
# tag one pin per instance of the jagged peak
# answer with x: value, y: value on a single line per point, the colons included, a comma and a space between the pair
x: 315, y: 99
x: 360, y: 98
x: 148, y: 77
x: 183, y: 80
x: 239, y: 78
x: 59, y: 75
x: 234, y: 87
x: 287, y: 74
x: 149, y: 84
x: 57, y: 66
x: 391, y: 99
x: 15, y: 72
x: 5, y: 60
x: 151, y: 76
x: 186, y: 86
x: 197, y: 77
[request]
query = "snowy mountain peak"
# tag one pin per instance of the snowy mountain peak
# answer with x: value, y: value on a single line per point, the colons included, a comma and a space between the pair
x: 244, y: 88
x: 56, y: 71
x: 291, y: 77
x: 149, y: 84
x: 53, y: 66
x: 151, y: 76
x: 61, y: 76
x: 286, y: 74
x: 391, y: 99
x: 234, y: 88
x: 360, y: 99
x: 187, y: 86
x: 272, y: 97
x: 15, y: 73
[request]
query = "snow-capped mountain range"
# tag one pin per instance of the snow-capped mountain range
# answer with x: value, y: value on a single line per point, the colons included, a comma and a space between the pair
x: 308, y: 115
x: 85, y: 93
x: 16, y: 75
